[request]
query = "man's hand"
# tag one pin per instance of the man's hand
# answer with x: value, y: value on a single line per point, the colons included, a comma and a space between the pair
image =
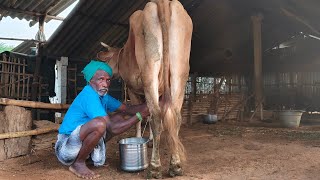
x: 145, y: 111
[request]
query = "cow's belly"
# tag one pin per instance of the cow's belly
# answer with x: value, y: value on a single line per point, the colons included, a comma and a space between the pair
x: 136, y: 86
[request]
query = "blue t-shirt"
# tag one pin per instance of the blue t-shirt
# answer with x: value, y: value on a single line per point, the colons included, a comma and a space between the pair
x: 86, y: 106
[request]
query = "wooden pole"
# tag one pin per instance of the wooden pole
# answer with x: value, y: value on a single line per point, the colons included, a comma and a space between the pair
x: 192, y: 96
x: 300, y: 20
x: 33, y: 104
x: 19, y: 71
x: 28, y: 133
x: 14, y: 70
x: 24, y: 77
x: 214, y: 104
x: 236, y: 105
x: 35, y: 83
x: 257, y: 42
x: 19, y: 39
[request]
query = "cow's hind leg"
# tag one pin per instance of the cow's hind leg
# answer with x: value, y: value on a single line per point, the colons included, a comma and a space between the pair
x: 149, y: 48
x: 150, y: 143
x: 154, y: 170
x: 180, y: 43
x: 175, y: 168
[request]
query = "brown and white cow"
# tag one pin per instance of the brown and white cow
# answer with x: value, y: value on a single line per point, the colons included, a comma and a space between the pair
x: 154, y: 62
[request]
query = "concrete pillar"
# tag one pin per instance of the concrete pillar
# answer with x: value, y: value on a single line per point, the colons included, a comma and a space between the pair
x: 61, y: 84
x: 258, y: 80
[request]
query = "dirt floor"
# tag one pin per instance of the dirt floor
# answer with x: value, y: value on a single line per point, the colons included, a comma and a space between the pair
x: 217, y: 151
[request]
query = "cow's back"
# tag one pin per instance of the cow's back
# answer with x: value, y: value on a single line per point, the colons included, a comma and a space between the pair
x: 144, y: 48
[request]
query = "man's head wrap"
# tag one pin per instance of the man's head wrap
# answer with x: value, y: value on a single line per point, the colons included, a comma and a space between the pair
x: 92, y: 68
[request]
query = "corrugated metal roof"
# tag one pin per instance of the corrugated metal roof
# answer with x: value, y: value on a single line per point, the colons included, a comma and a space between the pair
x: 15, y: 8
x: 24, y: 47
x: 95, y: 21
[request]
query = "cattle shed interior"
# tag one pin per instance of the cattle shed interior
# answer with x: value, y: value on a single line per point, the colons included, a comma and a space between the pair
x: 246, y: 56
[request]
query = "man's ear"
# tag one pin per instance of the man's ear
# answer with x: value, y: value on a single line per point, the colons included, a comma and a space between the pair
x: 105, y: 56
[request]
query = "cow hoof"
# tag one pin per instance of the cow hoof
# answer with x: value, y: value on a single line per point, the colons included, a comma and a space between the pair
x: 154, y: 173
x: 175, y: 171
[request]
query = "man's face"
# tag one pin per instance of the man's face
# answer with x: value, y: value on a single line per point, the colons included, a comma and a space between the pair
x: 100, y: 82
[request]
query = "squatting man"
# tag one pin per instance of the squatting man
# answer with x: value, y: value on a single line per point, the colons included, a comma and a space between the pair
x: 87, y: 124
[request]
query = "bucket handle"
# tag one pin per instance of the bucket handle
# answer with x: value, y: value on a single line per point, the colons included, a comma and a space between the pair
x: 144, y: 130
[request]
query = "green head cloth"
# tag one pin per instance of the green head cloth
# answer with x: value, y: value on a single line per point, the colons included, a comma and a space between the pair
x: 93, y: 66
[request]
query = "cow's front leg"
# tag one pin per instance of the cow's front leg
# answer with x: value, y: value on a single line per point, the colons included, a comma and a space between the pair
x: 154, y: 170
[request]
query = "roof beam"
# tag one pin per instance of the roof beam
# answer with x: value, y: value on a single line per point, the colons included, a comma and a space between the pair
x: 18, y: 39
x: 36, y: 14
x: 300, y: 19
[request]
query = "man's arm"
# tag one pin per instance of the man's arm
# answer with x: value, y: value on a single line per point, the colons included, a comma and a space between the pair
x: 117, y: 124
x: 133, y: 109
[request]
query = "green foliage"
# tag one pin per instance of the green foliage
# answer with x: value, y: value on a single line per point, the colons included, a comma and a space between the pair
x: 4, y: 47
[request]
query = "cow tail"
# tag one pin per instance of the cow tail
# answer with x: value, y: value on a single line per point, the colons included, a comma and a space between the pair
x: 172, y: 138
x: 164, y: 18
x: 171, y: 126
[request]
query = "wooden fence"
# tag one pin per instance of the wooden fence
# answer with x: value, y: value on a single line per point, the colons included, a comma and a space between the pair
x: 15, y: 82
x: 230, y: 107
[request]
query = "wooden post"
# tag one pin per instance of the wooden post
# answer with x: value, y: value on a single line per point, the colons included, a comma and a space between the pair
x: 216, y: 101
x: 229, y: 83
x: 16, y: 119
x: 256, y: 21
x: 192, y: 96
x: 61, y: 84
x: 24, y: 77
x: 35, y: 83
x: 5, y: 76
x: 292, y: 100
x: 239, y: 83
x: 3, y: 126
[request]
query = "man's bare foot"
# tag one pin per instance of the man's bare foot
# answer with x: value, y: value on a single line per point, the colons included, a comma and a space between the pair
x: 82, y: 171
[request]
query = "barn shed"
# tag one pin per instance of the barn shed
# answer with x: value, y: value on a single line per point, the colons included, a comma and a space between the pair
x: 249, y: 59
x: 269, y: 49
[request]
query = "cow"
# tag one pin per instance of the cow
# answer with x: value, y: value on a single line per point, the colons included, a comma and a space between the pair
x: 153, y: 63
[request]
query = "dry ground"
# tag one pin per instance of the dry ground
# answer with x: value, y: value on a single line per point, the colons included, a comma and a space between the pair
x: 218, y: 151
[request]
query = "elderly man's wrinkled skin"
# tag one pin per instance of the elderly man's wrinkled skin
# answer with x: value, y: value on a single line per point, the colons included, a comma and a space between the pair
x: 100, y: 82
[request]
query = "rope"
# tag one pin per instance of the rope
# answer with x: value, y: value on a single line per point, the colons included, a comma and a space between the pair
x: 145, y: 126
